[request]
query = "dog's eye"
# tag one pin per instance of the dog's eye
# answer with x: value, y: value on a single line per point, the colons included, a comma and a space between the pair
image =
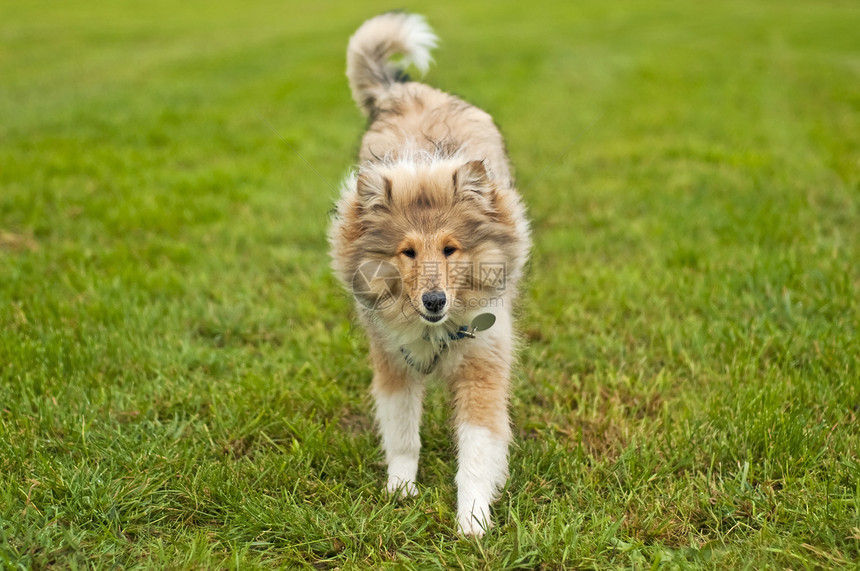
x: 409, y: 253
x: 448, y: 250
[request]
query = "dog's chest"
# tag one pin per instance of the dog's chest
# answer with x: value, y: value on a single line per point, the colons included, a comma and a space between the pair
x: 425, y: 353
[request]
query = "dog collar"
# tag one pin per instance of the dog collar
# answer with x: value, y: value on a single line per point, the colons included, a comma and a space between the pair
x: 481, y: 323
x: 461, y: 333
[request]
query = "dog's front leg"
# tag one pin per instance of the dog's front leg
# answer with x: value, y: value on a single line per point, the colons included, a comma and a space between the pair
x: 483, y: 433
x: 398, y: 413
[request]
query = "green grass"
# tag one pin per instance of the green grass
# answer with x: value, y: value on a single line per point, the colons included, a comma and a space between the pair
x: 180, y: 382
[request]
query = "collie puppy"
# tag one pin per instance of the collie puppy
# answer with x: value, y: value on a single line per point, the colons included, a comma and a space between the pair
x: 431, y: 237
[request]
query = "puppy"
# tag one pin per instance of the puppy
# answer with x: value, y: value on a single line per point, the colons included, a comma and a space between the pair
x: 431, y: 237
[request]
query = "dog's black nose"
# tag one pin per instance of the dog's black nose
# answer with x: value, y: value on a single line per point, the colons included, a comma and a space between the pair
x: 434, y: 301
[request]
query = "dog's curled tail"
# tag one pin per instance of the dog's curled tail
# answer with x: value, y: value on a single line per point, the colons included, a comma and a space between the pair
x: 368, y: 68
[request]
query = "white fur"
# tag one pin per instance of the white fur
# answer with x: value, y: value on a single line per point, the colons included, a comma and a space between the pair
x: 419, y: 40
x: 482, y: 471
x: 399, y: 418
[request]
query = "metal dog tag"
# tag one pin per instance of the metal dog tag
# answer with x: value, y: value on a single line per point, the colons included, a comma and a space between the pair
x: 483, y: 322
x: 480, y: 323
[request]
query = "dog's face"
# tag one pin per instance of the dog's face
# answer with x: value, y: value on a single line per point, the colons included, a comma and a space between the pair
x: 428, y: 263
x: 435, y: 238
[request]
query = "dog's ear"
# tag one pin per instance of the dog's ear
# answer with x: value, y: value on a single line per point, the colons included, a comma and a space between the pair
x: 473, y: 184
x: 374, y: 190
x: 471, y: 177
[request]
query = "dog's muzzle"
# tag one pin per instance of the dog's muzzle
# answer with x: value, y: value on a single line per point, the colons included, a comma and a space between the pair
x: 434, y: 303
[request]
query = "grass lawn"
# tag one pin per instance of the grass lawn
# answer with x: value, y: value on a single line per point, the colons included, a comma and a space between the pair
x: 181, y: 384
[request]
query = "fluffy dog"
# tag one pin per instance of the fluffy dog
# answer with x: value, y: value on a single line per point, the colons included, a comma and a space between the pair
x: 430, y: 235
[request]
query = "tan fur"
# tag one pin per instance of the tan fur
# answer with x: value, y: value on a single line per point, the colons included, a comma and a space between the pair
x: 433, y: 192
x: 387, y: 377
x: 481, y: 395
x: 442, y: 120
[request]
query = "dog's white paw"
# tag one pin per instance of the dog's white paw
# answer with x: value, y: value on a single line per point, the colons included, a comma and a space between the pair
x: 473, y: 524
x: 402, y: 470
x: 403, y: 488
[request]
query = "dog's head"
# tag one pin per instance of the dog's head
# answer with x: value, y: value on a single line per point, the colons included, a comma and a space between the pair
x: 429, y: 244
